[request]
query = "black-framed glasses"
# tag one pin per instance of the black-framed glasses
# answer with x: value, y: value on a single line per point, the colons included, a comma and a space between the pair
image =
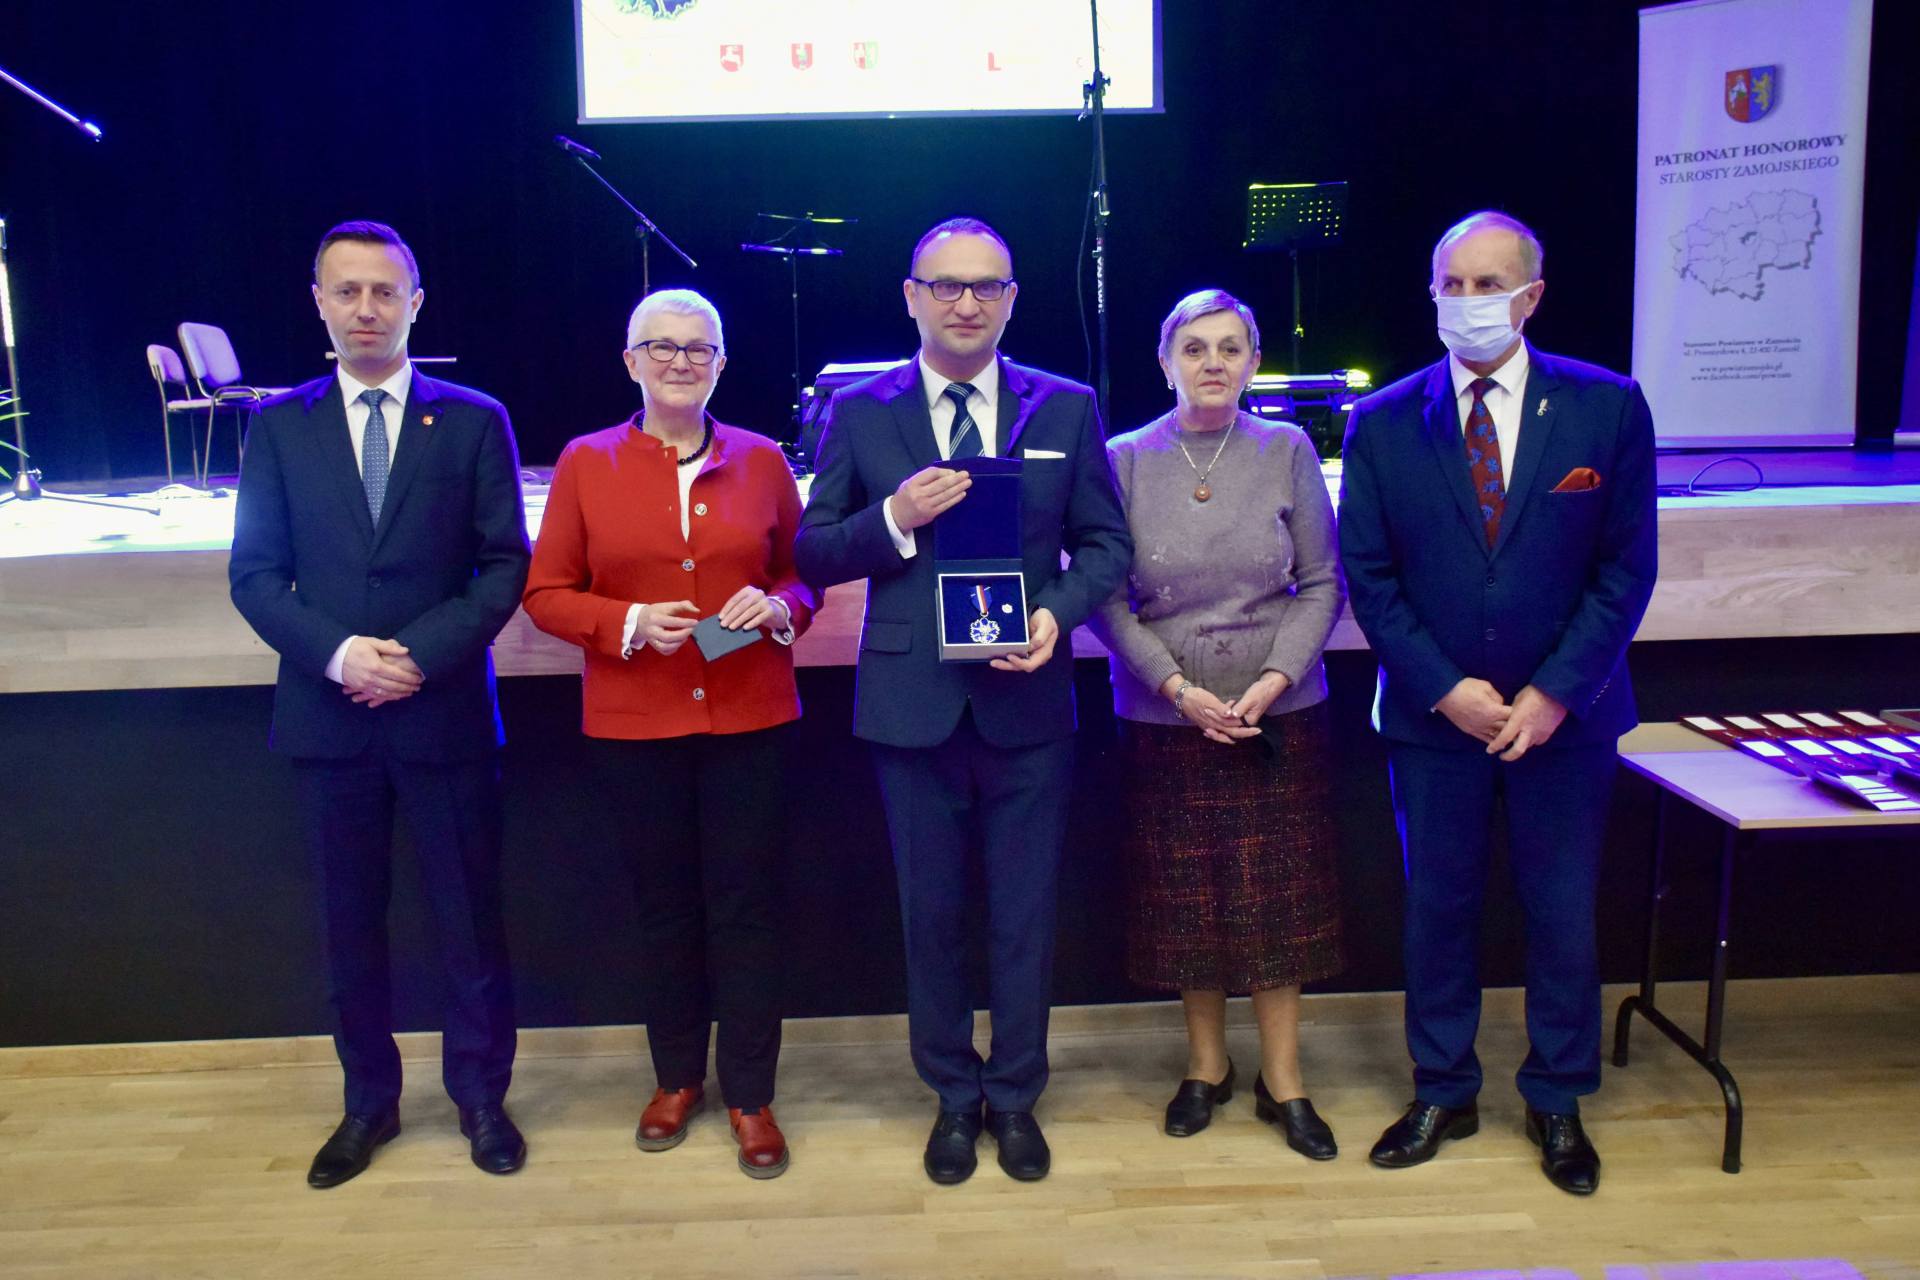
x: 950, y: 290
x: 663, y: 351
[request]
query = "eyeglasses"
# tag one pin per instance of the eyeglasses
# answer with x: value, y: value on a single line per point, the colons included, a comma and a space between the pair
x: 663, y: 351
x: 950, y: 290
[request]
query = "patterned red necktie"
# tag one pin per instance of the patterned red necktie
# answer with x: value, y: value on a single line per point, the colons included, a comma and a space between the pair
x: 1483, y: 459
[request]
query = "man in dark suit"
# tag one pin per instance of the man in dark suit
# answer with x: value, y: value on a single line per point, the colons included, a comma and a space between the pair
x: 379, y: 546
x: 963, y: 743
x: 1497, y: 529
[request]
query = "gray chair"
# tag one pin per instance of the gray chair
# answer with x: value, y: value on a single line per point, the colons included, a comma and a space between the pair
x: 216, y: 377
x: 164, y: 364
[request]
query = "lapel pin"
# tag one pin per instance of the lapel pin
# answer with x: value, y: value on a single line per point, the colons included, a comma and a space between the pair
x: 1541, y: 412
x: 427, y: 421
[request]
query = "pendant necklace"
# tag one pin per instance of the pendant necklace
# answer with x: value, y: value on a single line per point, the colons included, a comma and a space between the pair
x: 1201, y: 491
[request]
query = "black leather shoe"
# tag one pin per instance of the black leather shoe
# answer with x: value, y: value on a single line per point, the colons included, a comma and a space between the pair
x: 497, y: 1144
x: 1306, y: 1132
x: 1565, y: 1153
x: 950, y: 1157
x: 351, y: 1148
x: 1023, y: 1148
x: 1417, y: 1135
x: 1192, y: 1107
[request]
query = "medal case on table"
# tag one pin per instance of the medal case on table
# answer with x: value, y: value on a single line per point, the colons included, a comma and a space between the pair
x: 981, y: 593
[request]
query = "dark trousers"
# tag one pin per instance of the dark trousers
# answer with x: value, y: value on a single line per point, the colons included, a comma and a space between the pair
x: 700, y: 818
x: 1018, y: 796
x: 1556, y: 802
x: 453, y: 813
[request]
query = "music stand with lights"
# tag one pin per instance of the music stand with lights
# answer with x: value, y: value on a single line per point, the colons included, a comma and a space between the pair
x: 1295, y: 216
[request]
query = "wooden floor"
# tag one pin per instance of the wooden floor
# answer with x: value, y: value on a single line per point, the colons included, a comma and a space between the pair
x: 200, y: 1172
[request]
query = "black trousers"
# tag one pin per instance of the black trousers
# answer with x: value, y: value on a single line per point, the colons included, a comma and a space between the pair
x: 1016, y: 797
x: 453, y: 813
x: 700, y: 820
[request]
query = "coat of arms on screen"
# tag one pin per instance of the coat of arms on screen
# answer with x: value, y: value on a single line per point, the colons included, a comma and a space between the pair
x: 656, y: 8
x: 1751, y: 92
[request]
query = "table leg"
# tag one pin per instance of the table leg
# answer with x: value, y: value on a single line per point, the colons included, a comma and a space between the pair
x: 1656, y: 893
x: 1730, y: 847
x: 1642, y: 1002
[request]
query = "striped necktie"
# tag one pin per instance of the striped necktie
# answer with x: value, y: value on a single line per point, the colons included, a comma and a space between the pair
x: 1483, y: 459
x: 965, y: 434
x: 373, y: 453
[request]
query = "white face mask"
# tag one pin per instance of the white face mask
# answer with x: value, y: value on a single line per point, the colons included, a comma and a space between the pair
x: 1478, y: 328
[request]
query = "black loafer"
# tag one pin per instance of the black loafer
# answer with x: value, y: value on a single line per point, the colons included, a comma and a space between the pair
x: 350, y: 1149
x: 1192, y: 1107
x: 1569, y: 1159
x: 497, y: 1144
x: 1023, y: 1148
x: 950, y: 1156
x: 1306, y: 1132
x: 1417, y: 1135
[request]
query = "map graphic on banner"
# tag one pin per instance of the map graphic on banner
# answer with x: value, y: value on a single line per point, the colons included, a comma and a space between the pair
x: 1726, y: 251
x: 1751, y: 166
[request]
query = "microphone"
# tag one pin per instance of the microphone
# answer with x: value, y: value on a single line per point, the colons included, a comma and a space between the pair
x: 571, y: 147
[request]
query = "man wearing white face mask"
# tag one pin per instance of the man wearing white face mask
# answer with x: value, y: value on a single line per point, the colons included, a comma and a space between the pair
x: 1497, y: 530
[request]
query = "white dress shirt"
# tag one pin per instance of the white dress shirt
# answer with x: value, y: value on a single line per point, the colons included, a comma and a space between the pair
x: 983, y: 404
x: 391, y: 410
x: 1503, y: 402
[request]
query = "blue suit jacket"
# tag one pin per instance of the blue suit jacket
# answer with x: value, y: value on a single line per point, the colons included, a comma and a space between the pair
x: 1557, y: 598
x: 441, y: 574
x: 878, y: 433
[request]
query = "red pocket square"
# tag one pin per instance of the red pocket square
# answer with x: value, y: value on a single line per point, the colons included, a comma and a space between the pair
x: 1579, y: 480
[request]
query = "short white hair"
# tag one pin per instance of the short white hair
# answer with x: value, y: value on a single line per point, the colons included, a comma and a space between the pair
x: 678, y: 302
x: 1532, y: 256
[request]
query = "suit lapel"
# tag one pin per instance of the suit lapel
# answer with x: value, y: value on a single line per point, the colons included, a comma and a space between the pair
x: 416, y: 437
x: 1016, y: 406
x: 327, y: 420
x: 1450, y: 451
x: 1537, y: 414
x: 910, y: 415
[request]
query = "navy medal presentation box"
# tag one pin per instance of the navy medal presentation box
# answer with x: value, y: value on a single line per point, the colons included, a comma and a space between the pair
x: 976, y: 550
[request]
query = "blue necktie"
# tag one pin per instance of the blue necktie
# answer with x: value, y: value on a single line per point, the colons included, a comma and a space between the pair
x: 373, y: 452
x: 965, y: 435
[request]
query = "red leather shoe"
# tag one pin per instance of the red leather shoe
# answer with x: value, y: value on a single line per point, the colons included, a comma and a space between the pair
x: 763, y: 1148
x: 664, y: 1123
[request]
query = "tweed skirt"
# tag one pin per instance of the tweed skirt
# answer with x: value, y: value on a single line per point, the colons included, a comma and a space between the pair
x: 1231, y: 857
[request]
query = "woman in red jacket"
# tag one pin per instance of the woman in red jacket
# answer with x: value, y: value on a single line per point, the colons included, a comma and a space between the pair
x: 652, y: 526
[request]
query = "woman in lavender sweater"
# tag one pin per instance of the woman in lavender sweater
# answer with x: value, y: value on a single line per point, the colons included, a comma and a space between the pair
x: 1218, y: 682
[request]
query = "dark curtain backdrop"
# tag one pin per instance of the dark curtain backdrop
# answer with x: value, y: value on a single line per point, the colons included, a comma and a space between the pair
x: 237, y: 132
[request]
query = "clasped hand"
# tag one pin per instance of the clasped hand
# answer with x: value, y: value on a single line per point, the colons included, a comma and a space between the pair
x: 375, y: 672
x: 1477, y: 710
x: 1223, y: 721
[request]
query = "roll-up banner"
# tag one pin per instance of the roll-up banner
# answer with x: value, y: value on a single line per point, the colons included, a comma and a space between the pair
x: 1751, y: 161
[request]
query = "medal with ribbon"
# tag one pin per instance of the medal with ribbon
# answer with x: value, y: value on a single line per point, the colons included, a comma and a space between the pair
x: 983, y: 629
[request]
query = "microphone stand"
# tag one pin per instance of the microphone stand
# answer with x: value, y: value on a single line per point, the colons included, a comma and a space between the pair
x: 1093, y: 96
x: 643, y: 227
x: 87, y: 127
x: 26, y: 482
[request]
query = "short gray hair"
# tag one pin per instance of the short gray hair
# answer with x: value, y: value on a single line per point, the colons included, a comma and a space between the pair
x: 1532, y: 256
x: 678, y: 302
x: 1202, y: 303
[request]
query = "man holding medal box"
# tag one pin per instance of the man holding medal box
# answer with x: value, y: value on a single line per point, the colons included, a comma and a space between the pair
x: 960, y: 741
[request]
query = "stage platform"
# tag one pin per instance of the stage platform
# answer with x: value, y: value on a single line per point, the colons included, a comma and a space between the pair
x: 93, y: 598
